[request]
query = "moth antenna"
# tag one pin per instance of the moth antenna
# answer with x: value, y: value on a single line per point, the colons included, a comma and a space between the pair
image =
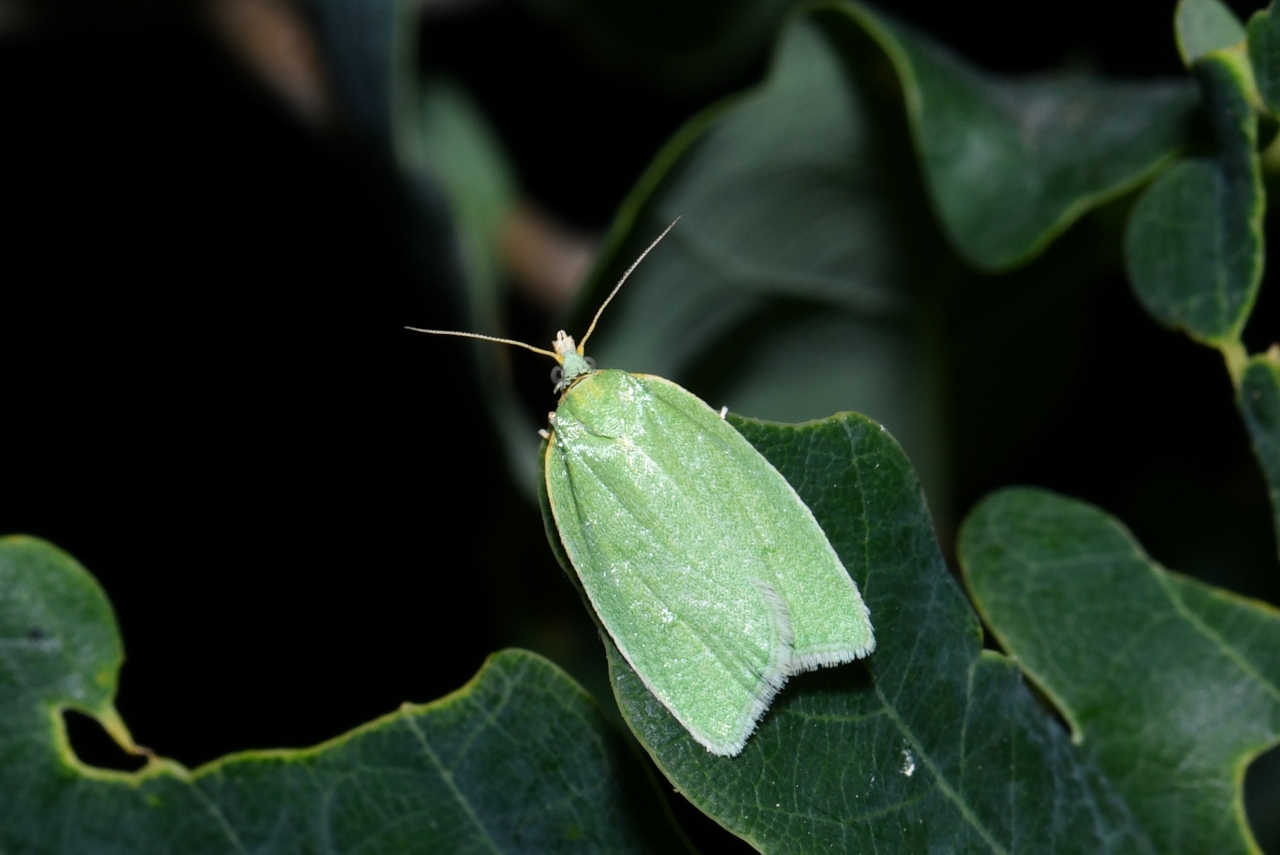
x: 488, y: 338
x: 634, y: 265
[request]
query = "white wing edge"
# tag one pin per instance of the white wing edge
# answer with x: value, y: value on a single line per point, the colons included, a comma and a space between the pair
x: 770, y: 684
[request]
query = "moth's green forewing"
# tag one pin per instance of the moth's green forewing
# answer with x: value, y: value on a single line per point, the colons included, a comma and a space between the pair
x: 708, y: 572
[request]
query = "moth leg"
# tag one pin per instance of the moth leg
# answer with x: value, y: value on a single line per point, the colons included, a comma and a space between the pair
x: 724, y: 411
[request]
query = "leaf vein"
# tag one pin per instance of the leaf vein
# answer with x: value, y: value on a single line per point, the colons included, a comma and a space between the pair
x: 942, y: 784
x: 447, y: 777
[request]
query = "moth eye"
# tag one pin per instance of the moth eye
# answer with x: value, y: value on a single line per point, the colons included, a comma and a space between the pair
x: 591, y: 363
x: 556, y: 374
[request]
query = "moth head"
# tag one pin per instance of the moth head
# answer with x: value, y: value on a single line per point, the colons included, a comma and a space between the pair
x: 573, y: 364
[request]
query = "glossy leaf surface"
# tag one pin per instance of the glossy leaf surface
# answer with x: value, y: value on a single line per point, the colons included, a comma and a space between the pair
x: 1171, y: 686
x: 1012, y: 162
x: 1194, y: 244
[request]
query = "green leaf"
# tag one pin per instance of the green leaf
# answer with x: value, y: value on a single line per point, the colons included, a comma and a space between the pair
x: 520, y: 759
x: 1169, y: 685
x: 804, y: 275
x: 932, y: 744
x: 1264, y: 55
x: 1011, y: 163
x: 1193, y: 249
x: 1259, y: 402
x: 1204, y: 26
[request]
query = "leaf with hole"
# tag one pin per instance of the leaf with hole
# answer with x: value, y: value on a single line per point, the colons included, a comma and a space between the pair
x: 424, y: 779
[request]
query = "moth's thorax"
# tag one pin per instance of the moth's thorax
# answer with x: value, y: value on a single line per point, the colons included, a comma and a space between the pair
x: 575, y: 366
x: 608, y: 403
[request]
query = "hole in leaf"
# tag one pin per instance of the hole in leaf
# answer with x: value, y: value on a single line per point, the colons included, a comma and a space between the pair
x: 95, y: 747
x: 1261, y: 796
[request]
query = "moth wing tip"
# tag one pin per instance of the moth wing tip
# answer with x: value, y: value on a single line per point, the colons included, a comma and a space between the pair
x: 732, y: 749
x: 733, y: 744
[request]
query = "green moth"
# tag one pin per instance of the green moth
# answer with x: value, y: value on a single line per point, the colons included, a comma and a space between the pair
x: 710, y: 574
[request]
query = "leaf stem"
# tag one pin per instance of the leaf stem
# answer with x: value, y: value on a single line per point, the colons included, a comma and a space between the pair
x: 1234, y: 354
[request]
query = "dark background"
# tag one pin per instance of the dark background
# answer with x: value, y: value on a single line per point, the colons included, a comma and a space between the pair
x: 298, y: 510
